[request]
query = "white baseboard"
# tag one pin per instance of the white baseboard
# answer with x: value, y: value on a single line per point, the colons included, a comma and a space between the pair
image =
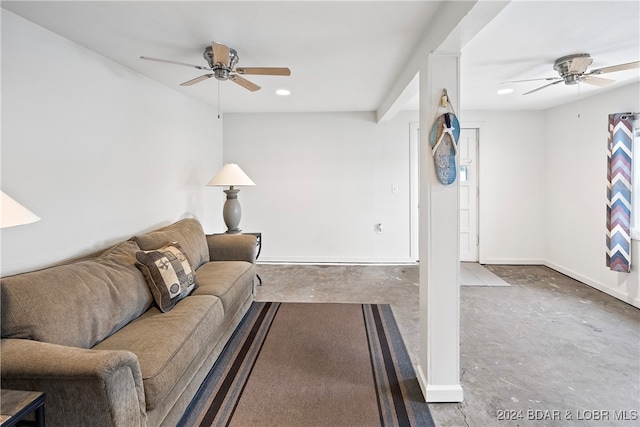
x: 634, y: 301
x: 439, y: 393
x: 512, y: 261
x: 334, y: 260
x: 422, y: 381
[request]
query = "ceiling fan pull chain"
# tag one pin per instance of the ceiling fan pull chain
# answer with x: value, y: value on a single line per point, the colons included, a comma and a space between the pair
x: 218, y: 99
x: 579, y: 102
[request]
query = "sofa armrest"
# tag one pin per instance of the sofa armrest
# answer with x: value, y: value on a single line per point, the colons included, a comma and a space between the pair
x: 82, y: 387
x: 232, y: 247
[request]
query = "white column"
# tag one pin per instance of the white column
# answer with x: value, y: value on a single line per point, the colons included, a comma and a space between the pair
x: 439, y: 355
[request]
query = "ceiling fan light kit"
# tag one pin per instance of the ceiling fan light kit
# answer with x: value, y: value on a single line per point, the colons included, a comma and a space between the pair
x: 221, y: 63
x: 572, y: 69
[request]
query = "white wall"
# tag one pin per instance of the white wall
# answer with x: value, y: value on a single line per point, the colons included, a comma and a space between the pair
x: 511, y: 180
x: 576, y: 188
x: 98, y: 151
x: 101, y: 153
x: 323, y: 181
x: 543, y: 189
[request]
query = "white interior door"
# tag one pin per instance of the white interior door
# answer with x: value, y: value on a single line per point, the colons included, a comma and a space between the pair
x: 468, y: 178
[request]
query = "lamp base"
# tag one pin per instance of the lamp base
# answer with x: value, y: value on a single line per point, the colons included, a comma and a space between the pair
x: 231, y: 211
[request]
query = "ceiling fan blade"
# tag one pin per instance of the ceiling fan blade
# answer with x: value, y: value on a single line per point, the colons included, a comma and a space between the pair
x: 579, y: 64
x: 196, y: 80
x: 597, y: 81
x: 199, y: 67
x: 619, y: 67
x: 244, y: 82
x: 265, y: 71
x: 531, y: 80
x: 220, y: 54
x: 542, y: 87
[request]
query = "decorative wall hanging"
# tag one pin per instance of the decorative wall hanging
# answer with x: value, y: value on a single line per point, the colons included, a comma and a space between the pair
x: 443, y: 138
x: 619, y: 167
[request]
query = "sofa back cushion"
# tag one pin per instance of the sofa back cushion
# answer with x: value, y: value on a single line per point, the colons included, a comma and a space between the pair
x: 189, y: 235
x: 76, y: 304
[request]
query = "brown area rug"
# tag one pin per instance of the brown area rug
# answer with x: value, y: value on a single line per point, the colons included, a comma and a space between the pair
x: 308, y: 364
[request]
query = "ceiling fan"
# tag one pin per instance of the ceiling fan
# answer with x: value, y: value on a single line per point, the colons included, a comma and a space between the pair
x: 573, y: 70
x: 222, y: 62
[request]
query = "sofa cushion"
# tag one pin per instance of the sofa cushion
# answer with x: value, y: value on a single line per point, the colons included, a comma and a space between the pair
x: 76, y: 304
x: 169, y: 344
x: 187, y: 232
x: 168, y: 274
x: 231, y: 281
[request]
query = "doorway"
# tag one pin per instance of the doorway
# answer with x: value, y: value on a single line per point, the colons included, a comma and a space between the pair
x: 469, y: 191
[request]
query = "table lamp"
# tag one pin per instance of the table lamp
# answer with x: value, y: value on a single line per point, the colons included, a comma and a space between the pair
x: 13, y: 213
x: 232, y: 176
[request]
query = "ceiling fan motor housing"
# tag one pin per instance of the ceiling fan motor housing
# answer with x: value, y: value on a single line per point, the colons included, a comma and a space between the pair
x: 220, y: 71
x: 572, y: 79
x: 572, y: 67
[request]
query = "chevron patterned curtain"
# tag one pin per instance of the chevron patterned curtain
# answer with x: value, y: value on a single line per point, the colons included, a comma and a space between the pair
x: 619, y: 176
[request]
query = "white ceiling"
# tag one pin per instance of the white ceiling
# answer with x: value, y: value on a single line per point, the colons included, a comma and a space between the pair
x: 344, y: 55
x: 525, y: 39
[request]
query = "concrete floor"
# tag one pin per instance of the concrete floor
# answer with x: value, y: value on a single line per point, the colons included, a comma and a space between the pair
x: 545, y: 351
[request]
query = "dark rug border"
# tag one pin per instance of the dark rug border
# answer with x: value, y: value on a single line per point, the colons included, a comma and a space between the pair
x: 418, y: 413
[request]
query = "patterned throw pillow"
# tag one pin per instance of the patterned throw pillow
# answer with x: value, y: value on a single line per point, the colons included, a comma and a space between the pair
x: 168, y: 274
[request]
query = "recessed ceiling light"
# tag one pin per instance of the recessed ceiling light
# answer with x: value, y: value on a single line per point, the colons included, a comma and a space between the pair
x: 283, y: 92
x: 505, y: 91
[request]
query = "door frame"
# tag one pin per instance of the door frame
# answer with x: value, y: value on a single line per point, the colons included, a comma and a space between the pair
x: 478, y: 127
x: 475, y: 255
x: 414, y: 185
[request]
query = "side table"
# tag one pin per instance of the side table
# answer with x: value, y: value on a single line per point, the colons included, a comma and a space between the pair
x: 17, y: 404
x: 259, y: 246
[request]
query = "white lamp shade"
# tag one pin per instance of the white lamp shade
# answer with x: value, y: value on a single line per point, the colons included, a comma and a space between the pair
x: 13, y: 213
x: 230, y: 175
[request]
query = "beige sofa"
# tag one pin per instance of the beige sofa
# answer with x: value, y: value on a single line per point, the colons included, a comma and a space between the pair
x: 89, y: 334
